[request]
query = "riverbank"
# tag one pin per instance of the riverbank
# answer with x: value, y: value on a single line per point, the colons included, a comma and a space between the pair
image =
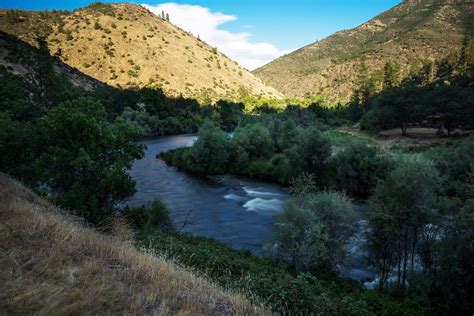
x: 235, y: 210
x: 272, y: 282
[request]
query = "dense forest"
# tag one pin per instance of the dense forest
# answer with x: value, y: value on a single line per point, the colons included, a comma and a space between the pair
x: 75, y: 145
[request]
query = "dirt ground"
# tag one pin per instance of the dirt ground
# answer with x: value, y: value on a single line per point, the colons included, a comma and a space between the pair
x: 421, y: 133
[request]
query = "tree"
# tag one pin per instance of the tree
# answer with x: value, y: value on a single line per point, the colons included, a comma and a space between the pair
x: 456, y: 103
x: 210, y: 152
x: 454, y: 268
x: 391, y: 75
x: 84, y: 159
x: 15, y: 158
x: 456, y: 164
x: 400, y: 206
x: 167, y: 17
x: 15, y: 97
x: 42, y: 77
x: 367, y: 86
x: 466, y: 58
x: 358, y: 168
x: 395, y: 107
x: 378, y: 119
x: 446, y: 249
x: 313, y: 230
x: 310, y: 152
x: 288, y: 134
x: 360, y: 92
x: 252, y: 142
x: 230, y: 113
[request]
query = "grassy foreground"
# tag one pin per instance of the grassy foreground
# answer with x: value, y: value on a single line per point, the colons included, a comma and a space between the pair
x: 53, y: 264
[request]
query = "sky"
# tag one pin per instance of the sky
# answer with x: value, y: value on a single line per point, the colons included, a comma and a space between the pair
x: 252, y: 32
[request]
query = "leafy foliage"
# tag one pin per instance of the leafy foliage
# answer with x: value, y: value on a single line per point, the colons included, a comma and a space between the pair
x: 83, y: 158
x: 273, y: 283
x: 448, y: 95
x: 357, y: 169
x: 398, y: 210
x: 313, y: 230
x: 149, y: 219
x: 209, y: 153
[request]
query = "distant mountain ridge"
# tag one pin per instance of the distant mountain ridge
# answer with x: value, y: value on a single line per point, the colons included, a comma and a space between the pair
x: 125, y: 45
x: 414, y: 29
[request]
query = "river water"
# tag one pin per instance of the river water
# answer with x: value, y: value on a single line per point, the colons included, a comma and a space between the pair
x: 234, y: 210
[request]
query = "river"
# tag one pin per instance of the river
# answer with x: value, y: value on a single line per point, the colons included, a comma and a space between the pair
x: 234, y: 210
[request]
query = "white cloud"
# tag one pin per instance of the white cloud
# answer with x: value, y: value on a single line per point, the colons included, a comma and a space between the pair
x: 201, y: 22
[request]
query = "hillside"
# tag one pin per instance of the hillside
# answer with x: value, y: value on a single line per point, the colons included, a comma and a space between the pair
x: 52, y: 263
x: 415, y: 29
x: 127, y: 46
x: 21, y: 58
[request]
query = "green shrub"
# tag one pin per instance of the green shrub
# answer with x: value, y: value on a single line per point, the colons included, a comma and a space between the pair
x: 271, y: 282
x: 357, y: 168
x: 150, y: 218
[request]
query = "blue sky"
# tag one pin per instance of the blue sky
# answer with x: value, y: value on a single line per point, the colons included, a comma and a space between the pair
x: 285, y: 25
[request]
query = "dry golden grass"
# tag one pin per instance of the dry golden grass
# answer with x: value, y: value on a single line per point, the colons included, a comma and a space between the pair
x: 135, y: 48
x: 51, y: 264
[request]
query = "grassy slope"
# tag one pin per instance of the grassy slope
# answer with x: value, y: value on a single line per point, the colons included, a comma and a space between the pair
x: 411, y: 30
x: 17, y: 56
x: 53, y: 264
x: 126, y: 45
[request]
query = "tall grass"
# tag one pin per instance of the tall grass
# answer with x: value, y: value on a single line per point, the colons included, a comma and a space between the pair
x: 51, y: 263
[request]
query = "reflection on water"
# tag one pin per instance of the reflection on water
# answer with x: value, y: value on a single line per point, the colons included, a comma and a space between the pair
x: 231, y: 209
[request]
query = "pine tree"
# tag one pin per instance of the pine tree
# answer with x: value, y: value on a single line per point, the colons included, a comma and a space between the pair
x: 362, y: 95
x: 367, y: 87
x: 391, y: 75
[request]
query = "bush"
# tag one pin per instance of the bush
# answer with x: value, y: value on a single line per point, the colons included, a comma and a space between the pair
x: 378, y: 119
x: 456, y: 164
x: 252, y: 142
x: 313, y: 230
x: 150, y: 218
x: 357, y: 168
x: 210, y: 152
x: 268, y: 281
x: 310, y: 152
x: 14, y: 158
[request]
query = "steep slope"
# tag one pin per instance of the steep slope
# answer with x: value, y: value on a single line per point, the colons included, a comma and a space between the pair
x: 127, y: 46
x: 54, y: 265
x: 415, y: 29
x: 20, y: 58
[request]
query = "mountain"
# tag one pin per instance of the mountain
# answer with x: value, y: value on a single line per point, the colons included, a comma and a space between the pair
x: 20, y: 58
x: 127, y: 46
x: 52, y: 263
x: 414, y: 29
